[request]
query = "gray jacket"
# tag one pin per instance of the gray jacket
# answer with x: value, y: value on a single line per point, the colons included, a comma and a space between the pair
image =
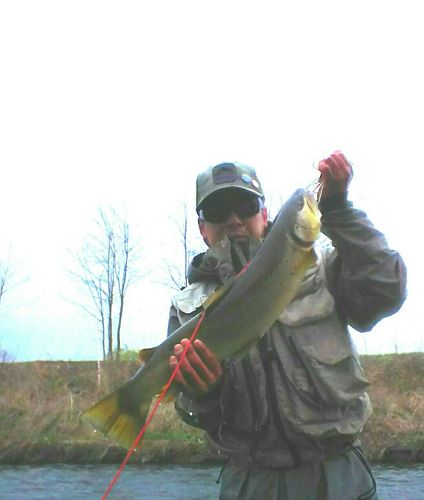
x: 299, y: 395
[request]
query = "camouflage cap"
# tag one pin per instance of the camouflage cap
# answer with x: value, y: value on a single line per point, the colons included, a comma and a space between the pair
x: 227, y: 175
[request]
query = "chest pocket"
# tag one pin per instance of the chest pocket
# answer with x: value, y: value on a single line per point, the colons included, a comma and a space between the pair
x: 313, y: 301
x: 188, y: 301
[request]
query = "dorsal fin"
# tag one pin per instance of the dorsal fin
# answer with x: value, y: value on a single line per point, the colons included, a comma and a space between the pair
x: 145, y: 354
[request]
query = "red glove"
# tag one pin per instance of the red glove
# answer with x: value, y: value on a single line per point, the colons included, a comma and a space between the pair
x: 336, y: 174
x: 200, y: 370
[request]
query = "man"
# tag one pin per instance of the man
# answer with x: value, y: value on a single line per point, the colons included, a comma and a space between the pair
x: 287, y: 416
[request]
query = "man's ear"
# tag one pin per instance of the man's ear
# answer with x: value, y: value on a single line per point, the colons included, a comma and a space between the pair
x: 264, y: 212
x: 201, y: 226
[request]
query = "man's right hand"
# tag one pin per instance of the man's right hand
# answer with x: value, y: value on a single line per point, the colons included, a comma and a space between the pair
x: 336, y: 174
x: 200, y: 370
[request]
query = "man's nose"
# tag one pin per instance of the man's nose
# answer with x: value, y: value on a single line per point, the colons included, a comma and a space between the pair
x: 233, y: 219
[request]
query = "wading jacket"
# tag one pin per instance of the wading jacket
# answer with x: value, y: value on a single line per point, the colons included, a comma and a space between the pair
x: 299, y: 395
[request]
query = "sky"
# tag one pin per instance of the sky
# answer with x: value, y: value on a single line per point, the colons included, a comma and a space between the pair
x: 121, y: 104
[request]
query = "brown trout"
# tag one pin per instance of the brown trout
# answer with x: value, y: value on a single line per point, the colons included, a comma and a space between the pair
x: 236, y: 317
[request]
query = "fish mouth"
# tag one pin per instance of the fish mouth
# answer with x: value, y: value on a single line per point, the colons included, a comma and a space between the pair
x: 311, y: 202
x: 308, y: 224
x: 303, y: 236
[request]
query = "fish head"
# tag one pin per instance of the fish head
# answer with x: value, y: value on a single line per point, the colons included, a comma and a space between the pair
x: 307, y: 223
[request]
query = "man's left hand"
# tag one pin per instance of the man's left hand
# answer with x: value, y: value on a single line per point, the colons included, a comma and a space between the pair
x: 200, y: 370
x: 336, y: 174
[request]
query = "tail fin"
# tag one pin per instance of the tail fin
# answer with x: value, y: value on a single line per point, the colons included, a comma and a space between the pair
x: 116, y: 419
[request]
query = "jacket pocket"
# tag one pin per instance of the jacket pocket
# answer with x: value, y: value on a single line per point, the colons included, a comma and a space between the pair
x: 329, y: 358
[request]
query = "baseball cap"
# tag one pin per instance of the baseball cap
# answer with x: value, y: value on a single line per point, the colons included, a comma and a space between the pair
x: 227, y: 175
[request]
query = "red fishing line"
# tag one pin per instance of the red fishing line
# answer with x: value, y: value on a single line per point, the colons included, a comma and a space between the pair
x: 152, y: 413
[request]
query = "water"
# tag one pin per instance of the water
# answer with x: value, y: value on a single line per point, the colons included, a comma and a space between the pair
x: 159, y: 482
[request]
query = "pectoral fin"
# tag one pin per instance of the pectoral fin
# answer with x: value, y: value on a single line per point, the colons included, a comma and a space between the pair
x: 145, y: 354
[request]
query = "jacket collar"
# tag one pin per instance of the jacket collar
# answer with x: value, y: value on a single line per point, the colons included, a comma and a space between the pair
x: 223, y: 260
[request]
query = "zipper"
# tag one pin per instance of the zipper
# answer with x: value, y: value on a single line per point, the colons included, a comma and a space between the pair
x: 268, y: 355
x: 252, y: 393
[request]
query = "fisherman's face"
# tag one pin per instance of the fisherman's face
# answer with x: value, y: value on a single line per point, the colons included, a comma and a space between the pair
x: 229, y: 213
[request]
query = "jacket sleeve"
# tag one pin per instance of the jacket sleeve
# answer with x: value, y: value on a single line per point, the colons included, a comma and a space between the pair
x: 365, y: 276
x: 204, y: 412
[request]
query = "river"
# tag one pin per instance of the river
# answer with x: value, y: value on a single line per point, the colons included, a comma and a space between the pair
x: 162, y: 482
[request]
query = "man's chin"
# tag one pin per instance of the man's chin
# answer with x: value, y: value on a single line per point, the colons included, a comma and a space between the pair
x: 238, y: 236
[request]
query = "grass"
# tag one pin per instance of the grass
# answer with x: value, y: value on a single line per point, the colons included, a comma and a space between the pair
x: 41, y: 402
x: 397, y: 394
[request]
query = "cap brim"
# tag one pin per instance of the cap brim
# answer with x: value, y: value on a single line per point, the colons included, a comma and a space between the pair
x: 232, y: 186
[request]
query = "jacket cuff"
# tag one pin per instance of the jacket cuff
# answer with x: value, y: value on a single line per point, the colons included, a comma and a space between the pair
x: 191, y: 410
x: 335, y: 202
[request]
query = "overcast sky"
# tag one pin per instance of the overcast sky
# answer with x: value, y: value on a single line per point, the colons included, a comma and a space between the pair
x: 122, y: 103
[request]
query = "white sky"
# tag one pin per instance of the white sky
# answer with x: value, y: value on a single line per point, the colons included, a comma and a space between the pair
x: 123, y: 103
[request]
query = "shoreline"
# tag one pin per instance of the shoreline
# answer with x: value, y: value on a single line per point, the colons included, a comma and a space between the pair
x: 89, y: 453
x: 157, y: 452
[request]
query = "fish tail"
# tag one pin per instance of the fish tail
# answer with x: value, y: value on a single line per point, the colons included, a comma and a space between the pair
x: 117, y: 420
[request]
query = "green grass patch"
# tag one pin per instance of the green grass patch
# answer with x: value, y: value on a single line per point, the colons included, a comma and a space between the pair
x: 175, y: 435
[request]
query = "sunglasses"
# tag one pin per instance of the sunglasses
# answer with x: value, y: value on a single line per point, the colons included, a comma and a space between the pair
x: 220, y: 213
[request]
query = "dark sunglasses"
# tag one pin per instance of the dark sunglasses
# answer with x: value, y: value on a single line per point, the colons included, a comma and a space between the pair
x: 220, y: 213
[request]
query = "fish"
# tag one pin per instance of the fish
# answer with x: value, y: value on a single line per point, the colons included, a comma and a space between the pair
x: 236, y: 316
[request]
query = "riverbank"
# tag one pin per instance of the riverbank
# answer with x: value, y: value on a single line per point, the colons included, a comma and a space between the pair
x: 40, y: 405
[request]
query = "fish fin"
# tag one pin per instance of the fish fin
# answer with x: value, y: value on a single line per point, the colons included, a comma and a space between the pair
x: 110, y: 417
x: 218, y: 294
x: 145, y: 354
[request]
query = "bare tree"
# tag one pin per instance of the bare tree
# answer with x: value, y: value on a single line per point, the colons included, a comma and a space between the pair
x: 7, y: 281
x: 189, y: 243
x: 125, y: 274
x: 5, y: 356
x: 7, y: 278
x: 106, y: 268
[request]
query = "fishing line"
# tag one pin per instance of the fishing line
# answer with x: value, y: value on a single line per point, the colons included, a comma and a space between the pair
x: 316, y: 187
x: 152, y: 413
